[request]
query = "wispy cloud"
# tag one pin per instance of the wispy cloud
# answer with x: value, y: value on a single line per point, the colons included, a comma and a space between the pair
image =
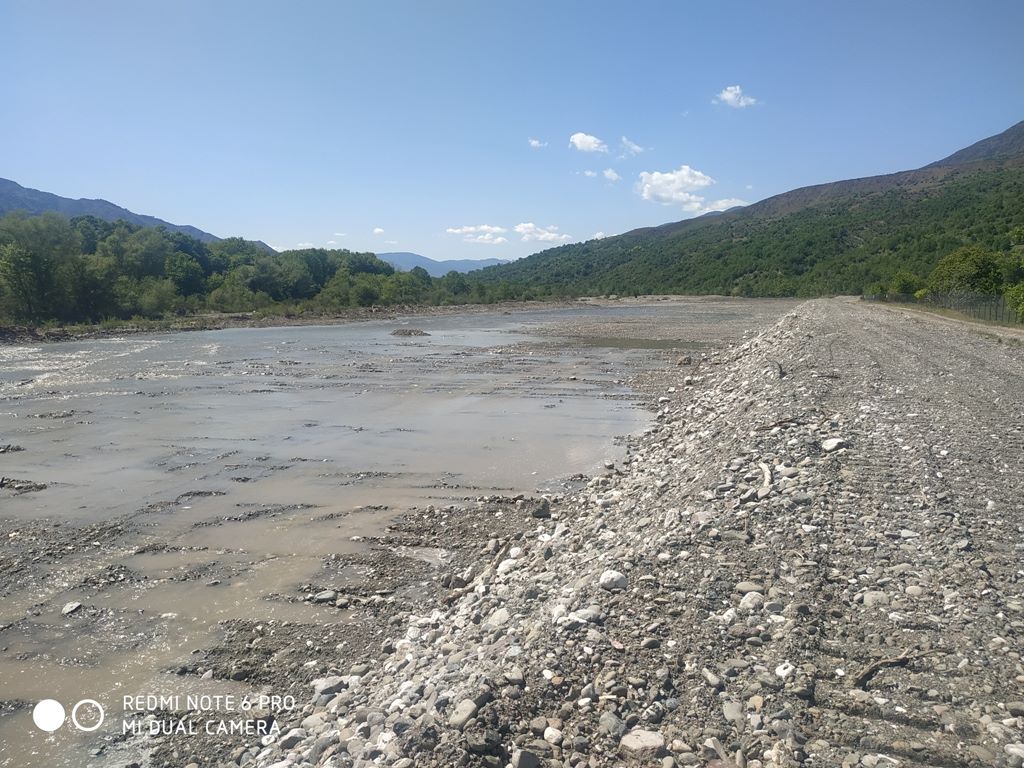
x: 590, y: 174
x: 629, y: 148
x: 531, y: 231
x: 303, y: 245
x: 332, y: 242
x: 584, y: 142
x: 472, y: 229
x: 537, y: 143
x: 485, y: 239
x: 482, y: 234
x: 733, y: 96
x: 341, y: 234
x: 378, y: 231
x: 610, y: 174
x: 724, y: 204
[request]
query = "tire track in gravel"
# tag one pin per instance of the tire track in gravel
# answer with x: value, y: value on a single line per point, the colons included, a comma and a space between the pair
x: 926, y: 416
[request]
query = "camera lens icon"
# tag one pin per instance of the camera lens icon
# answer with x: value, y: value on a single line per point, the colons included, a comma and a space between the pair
x: 49, y: 715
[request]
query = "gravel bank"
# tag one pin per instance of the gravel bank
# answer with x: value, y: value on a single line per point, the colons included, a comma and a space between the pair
x: 813, y: 558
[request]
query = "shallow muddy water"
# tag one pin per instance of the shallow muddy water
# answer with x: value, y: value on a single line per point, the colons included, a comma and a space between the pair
x: 176, y: 485
x: 201, y: 477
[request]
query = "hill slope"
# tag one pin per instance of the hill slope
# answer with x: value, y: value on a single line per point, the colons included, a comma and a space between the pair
x: 405, y: 261
x: 14, y: 197
x: 828, y: 238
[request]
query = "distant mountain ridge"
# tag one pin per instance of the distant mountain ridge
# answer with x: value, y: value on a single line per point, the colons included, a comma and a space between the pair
x: 14, y: 197
x: 405, y: 261
x: 827, y: 238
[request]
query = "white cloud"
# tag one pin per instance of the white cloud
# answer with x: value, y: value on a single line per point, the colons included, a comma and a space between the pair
x: 679, y: 188
x: 303, y: 245
x: 724, y: 204
x: 610, y: 174
x: 378, y: 231
x: 598, y: 236
x: 476, y: 229
x: 537, y: 143
x: 590, y: 174
x: 584, y: 142
x: 629, y: 148
x: 483, y: 234
x: 487, y: 238
x: 341, y: 234
x: 673, y: 187
x: 390, y: 242
x: 332, y: 242
x: 531, y: 231
x: 733, y: 96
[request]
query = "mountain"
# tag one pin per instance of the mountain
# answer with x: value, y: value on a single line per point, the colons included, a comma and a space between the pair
x: 827, y: 238
x: 405, y: 261
x: 1005, y: 145
x: 14, y: 197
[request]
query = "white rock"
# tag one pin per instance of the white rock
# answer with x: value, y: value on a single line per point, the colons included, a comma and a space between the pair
x: 751, y: 602
x: 613, y: 581
x: 875, y: 597
x: 642, y: 744
x: 784, y: 670
x: 462, y: 714
x: 832, y: 444
x: 499, y: 618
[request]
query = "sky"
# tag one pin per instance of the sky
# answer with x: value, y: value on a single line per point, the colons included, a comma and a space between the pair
x: 460, y: 129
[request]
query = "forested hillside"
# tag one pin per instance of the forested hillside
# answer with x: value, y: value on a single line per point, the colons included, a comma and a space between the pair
x: 87, y: 270
x: 832, y: 238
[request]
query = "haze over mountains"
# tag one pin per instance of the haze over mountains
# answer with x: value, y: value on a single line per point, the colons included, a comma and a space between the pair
x: 405, y: 261
x: 828, y: 238
x: 14, y: 197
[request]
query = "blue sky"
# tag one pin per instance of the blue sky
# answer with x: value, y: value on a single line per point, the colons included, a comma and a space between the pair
x: 406, y: 125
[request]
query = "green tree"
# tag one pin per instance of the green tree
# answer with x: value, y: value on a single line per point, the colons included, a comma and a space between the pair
x: 1015, y: 298
x: 337, y: 292
x: 904, y: 282
x: 146, y: 252
x: 971, y: 269
x: 185, y: 272
x: 27, y: 278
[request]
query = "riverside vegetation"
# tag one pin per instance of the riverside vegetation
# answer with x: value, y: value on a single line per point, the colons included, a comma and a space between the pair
x: 86, y: 270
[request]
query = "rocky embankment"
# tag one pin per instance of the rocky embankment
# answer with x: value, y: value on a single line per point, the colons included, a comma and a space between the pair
x: 813, y: 558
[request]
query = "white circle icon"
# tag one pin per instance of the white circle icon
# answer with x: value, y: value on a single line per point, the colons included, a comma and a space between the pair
x: 74, y: 715
x: 48, y: 715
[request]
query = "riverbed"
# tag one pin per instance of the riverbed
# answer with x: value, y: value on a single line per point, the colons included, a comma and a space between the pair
x: 161, y: 487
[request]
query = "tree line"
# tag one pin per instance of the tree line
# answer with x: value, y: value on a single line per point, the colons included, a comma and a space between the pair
x: 970, y: 270
x: 86, y: 270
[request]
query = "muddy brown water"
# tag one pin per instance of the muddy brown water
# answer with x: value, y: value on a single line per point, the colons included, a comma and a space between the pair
x: 193, y: 478
x: 234, y: 461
